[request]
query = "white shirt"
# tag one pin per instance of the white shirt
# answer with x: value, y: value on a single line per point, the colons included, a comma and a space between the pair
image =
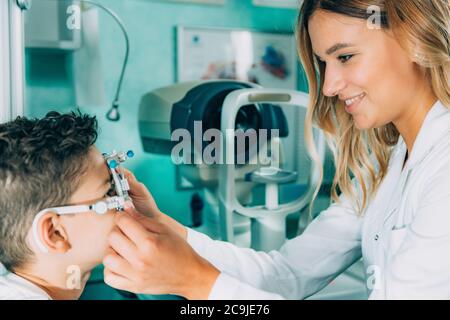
x: 403, y: 236
x: 13, y: 287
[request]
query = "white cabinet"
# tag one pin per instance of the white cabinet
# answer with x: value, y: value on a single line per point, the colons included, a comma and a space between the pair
x: 11, y: 61
x: 53, y: 24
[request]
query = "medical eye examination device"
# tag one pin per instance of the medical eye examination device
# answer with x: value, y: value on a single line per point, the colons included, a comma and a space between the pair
x: 229, y: 105
x: 119, y: 184
x: 118, y: 179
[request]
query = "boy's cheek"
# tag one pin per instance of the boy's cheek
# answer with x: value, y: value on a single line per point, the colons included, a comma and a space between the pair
x: 94, y: 229
x: 106, y: 225
x: 97, y: 241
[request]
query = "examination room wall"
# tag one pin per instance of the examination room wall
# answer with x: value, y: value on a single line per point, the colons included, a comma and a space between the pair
x: 151, y: 25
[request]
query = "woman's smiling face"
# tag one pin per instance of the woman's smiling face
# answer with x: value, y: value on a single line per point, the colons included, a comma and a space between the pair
x: 366, y: 68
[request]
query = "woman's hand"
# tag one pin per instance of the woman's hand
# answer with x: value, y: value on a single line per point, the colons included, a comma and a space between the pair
x: 142, y: 198
x: 146, y: 206
x: 148, y: 257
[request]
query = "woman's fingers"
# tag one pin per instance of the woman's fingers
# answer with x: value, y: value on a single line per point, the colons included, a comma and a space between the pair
x: 135, y: 185
x: 147, y: 222
x: 117, y: 264
x: 132, y: 181
x: 137, y: 231
x: 117, y: 281
x: 127, y: 173
x: 131, y: 210
x: 123, y: 247
x: 142, y: 198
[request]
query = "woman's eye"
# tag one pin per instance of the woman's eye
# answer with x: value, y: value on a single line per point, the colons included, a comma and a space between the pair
x: 345, y: 58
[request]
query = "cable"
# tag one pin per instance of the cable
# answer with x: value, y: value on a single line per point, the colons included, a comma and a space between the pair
x: 113, y: 113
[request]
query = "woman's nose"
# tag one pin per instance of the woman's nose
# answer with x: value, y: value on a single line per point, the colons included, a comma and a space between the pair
x: 334, y: 82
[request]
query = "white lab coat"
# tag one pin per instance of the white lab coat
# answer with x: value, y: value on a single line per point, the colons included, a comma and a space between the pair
x: 13, y: 287
x: 403, y: 237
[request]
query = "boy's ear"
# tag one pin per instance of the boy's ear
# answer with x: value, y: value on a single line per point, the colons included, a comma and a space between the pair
x: 53, y: 234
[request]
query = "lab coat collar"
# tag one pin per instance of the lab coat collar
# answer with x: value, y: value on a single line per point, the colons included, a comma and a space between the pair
x: 3, y: 270
x: 32, y: 289
x: 434, y: 127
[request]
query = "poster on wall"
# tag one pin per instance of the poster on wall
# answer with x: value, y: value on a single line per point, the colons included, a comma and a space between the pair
x: 289, y: 4
x: 265, y: 58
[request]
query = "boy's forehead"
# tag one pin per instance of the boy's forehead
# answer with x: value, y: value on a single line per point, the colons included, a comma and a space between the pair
x: 94, y: 181
x: 97, y: 173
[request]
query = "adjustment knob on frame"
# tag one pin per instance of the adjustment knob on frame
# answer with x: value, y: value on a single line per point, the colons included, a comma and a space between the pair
x: 100, y: 207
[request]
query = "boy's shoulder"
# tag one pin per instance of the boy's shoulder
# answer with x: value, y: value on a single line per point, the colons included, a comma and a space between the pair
x: 13, y: 287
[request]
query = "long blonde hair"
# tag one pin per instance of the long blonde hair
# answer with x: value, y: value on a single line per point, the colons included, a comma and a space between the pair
x: 422, y: 27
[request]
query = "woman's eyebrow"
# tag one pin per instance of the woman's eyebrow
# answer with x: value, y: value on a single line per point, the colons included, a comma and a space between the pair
x: 334, y: 48
x: 337, y: 47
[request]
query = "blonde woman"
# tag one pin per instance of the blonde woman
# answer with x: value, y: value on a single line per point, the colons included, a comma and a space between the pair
x: 379, y: 74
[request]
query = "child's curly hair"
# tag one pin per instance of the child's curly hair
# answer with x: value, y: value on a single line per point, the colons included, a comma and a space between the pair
x: 41, y: 162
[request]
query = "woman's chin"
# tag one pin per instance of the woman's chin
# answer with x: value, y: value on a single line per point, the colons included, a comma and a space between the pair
x: 362, y: 122
x: 361, y: 126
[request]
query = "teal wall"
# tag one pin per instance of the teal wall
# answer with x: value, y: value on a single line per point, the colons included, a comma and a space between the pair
x: 151, y: 25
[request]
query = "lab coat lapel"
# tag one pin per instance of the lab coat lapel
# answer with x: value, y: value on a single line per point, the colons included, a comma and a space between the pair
x: 434, y: 127
x: 393, y: 182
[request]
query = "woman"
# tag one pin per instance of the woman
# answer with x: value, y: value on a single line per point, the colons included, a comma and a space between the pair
x: 379, y: 84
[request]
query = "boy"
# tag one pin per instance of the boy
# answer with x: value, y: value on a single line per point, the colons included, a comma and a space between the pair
x: 48, y: 163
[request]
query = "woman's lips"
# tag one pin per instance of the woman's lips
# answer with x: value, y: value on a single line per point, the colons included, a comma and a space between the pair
x: 352, y: 103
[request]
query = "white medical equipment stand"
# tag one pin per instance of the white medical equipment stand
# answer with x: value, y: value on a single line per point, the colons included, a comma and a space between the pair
x: 12, y: 53
x: 268, y: 227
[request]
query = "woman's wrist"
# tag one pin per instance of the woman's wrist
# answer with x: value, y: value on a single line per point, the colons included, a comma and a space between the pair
x: 172, y: 223
x: 199, y: 286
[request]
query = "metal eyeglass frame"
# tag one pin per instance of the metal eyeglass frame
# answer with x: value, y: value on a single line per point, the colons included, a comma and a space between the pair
x: 101, y: 207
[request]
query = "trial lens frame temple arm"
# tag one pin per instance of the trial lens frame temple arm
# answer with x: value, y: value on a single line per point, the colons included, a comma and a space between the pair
x: 100, y: 208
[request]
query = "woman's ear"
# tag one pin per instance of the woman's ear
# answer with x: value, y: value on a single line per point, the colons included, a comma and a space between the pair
x: 53, y: 233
